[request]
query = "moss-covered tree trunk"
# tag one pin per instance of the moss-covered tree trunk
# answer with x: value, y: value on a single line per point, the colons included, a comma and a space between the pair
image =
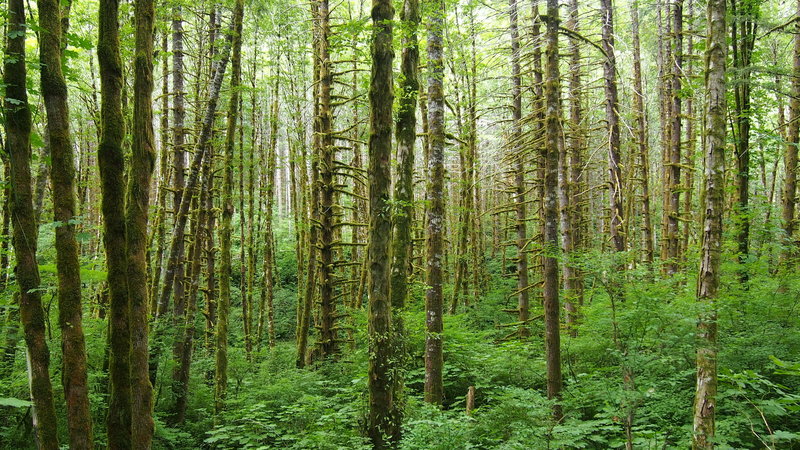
x: 25, y: 227
x: 62, y: 180
x: 382, y: 429
x: 552, y: 310
x: 640, y: 116
x: 790, y: 154
x: 612, y: 122
x: 743, y: 26
x: 268, y: 285
x: 406, y: 135
x: 434, y: 388
x: 520, y: 205
x: 711, y: 247
x: 221, y: 372
x: 136, y: 217
x: 111, y: 163
x: 174, y: 274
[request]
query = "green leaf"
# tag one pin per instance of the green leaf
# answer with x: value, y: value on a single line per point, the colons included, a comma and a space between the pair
x: 14, y: 402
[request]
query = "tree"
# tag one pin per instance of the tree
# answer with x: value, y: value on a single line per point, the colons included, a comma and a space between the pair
x: 62, y: 179
x: 221, y: 376
x: 136, y: 216
x: 25, y: 227
x: 552, y: 310
x: 744, y: 24
x: 711, y: 247
x: 641, y: 135
x: 383, y: 428
x: 434, y: 389
x: 790, y: 154
x: 612, y: 125
x: 111, y: 164
x: 520, y: 209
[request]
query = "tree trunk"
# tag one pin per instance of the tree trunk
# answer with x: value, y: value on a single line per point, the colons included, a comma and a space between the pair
x: 713, y: 204
x: 640, y: 115
x: 790, y: 155
x: 25, y: 227
x: 137, y: 207
x: 612, y: 119
x: 328, y: 344
x: 434, y: 389
x: 672, y: 169
x: 552, y: 323
x: 743, y: 36
x: 62, y: 180
x: 221, y: 376
x: 269, y: 240
x: 111, y: 163
x: 520, y: 209
x: 174, y: 277
x: 383, y: 428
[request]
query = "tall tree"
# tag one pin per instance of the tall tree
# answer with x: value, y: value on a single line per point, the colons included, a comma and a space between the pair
x: 790, y: 154
x: 434, y: 388
x: 62, y: 180
x: 713, y: 204
x: 25, y: 227
x: 672, y: 162
x: 612, y: 126
x: 402, y: 224
x: 111, y: 164
x: 173, y: 279
x: 743, y: 25
x: 518, y: 156
x: 136, y: 216
x: 221, y: 376
x: 640, y: 115
x: 552, y: 324
x: 383, y: 429
x: 406, y: 134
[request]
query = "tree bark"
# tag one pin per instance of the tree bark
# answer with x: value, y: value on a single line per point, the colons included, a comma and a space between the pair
x: 711, y: 248
x: 137, y: 208
x: 111, y: 163
x: 640, y: 115
x: 552, y: 323
x: 62, y: 180
x: 743, y: 35
x: 434, y: 389
x: 223, y: 309
x: 25, y: 227
x: 383, y: 428
x: 517, y: 154
x: 790, y: 155
x: 612, y: 119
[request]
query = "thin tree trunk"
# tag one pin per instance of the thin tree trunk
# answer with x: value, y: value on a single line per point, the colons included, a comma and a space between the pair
x: 111, y: 163
x: 221, y: 375
x: 672, y: 169
x: 790, y: 154
x: 434, y: 389
x: 612, y: 119
x: 174, y: 276
x: 383, y: 426
x: 523, y: 312
x: 552, y: 323
x: 25, y: 228
x: 713, y: 204
x: 137, y: 207
x: 743, y: 36
x: 641, y: 136
x: 328, y: 343
x: 62, y: 180
x: 267, y: 290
